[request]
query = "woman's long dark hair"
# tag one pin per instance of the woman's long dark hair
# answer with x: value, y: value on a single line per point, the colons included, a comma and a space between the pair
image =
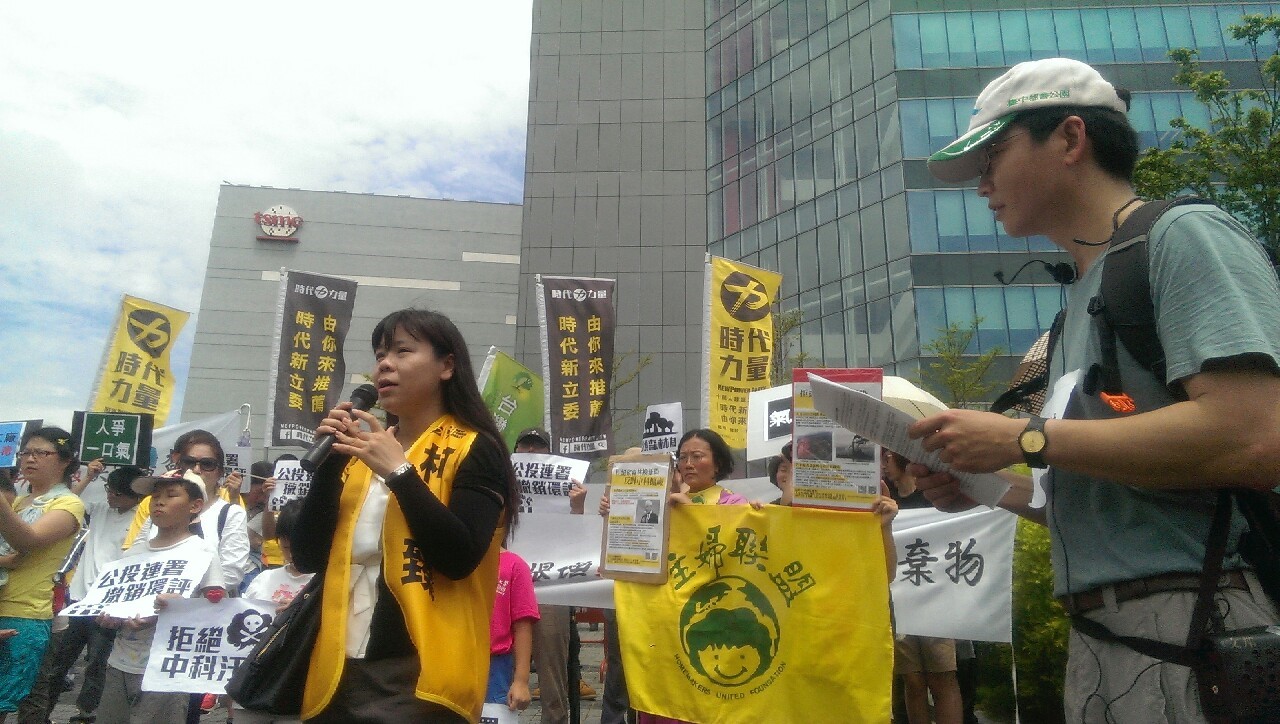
x: 460, y: 393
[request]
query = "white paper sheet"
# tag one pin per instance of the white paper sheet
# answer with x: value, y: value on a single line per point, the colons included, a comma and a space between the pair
x: 882, y: 424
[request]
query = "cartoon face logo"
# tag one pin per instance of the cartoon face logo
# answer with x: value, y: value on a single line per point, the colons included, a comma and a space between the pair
x: 744, y: 297
x: 729, y: 631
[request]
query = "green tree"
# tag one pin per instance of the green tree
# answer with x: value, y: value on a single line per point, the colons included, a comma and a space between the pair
x: 959, y: 379
x: 1235, y: 162
x: 1040, y: 629
x: 785, y: 325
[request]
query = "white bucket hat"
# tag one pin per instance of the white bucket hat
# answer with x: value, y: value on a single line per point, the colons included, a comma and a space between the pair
x: 1033, y: 84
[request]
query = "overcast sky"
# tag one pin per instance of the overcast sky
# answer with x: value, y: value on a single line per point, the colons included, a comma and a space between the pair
x: 118, y: 122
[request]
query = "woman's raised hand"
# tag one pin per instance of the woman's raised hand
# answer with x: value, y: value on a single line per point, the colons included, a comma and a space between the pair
x: 375, y: 446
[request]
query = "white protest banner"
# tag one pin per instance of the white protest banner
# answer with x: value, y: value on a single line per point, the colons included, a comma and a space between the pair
x: 954, y: 577
x: 292, y: 483
x: 545, y: 481
x: 768, y: 421
x: 128, y: 587
x: 563, y: 553
x: 498, y: 714
x: 663, y: 427
x: 199, y: 644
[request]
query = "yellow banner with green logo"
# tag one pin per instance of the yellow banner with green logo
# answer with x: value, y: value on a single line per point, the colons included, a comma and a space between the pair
x: 737, y: 351
x: 780, y: 614
x: 136, y: 375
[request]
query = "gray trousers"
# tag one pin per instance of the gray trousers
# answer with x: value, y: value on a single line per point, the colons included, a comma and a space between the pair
x: 124, y: 701
x: 1109, y: 682
x: 551, y: 655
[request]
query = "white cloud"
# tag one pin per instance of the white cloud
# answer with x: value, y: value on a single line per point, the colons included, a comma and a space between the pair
x: 118, y: 123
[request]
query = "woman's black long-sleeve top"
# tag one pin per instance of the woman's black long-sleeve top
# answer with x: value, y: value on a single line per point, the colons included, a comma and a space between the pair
x: 453, y: 539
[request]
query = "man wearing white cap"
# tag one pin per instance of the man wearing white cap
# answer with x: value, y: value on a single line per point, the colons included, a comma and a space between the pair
x: 1131, y: 489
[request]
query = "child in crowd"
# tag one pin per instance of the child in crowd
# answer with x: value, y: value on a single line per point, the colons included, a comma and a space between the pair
x: 176, y: 502
x: 511, y: 634
x: 280, y: 586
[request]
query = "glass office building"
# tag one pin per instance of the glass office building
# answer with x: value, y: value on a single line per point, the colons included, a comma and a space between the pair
x: 821, y: 113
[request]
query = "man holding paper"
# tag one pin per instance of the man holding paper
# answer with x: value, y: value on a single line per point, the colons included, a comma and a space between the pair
x: 1131, y: 487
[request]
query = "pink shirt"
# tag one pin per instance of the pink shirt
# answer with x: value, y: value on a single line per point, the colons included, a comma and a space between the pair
x: 515, y: 601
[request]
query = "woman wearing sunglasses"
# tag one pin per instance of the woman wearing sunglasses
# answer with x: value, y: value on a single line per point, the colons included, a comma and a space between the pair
x: 224, y: 525
x: 40, y: 527
x: 405, y: 523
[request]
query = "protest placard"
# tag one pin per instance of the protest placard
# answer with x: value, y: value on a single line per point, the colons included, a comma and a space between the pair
x: 498, y: 714
x: 128, y: 587
x: 199, y: 644
x: 833, y: 467
x: 634, y: 538
x: 663, y: 427
x: 545, y: 481
x: 292, y: 483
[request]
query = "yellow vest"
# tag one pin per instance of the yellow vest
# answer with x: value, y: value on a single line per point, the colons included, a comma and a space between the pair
x: 447, y: 620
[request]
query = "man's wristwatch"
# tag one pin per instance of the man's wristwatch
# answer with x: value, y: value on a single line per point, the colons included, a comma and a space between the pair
x: 1033, y: 442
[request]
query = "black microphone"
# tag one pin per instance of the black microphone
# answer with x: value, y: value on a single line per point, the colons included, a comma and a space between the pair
x: 362, y: 398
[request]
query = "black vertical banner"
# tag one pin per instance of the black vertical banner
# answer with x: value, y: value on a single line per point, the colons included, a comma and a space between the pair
x: 577, y: 320
x: 313, y: 316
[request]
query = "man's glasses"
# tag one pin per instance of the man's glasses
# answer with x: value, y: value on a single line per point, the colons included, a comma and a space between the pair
x: 37, y: 454
x: 206, y: 464
x: 991, y: 150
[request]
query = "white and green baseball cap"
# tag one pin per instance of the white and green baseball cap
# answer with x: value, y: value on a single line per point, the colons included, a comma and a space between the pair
x: 1033, y: 84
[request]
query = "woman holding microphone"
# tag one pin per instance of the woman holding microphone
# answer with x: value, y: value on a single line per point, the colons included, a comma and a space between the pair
x: 405, y: 524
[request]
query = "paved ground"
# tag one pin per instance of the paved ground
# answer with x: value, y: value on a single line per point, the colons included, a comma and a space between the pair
x: 592, y: 654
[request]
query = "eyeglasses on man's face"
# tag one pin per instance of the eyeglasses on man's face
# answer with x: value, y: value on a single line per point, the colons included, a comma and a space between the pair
x: 992, y: 149
x: 206, y: 464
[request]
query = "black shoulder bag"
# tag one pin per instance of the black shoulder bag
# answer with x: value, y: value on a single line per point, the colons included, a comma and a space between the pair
x: 274, y: 676
x: 1236, y: 671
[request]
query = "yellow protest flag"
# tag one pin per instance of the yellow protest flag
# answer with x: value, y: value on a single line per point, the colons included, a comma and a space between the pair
x: 780, y: 614
x: 136, y: 374
x: 738, y: 349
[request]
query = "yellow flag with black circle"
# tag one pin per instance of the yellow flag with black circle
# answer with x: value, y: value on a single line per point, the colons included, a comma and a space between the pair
x: 780, y: 614
x: 738, y: 349
x: 136, y: 375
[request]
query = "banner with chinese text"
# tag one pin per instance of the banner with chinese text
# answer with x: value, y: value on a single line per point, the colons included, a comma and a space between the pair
x: 949, y: 562
x: 116, y: 438
x: 128, y: 587
x: 513, y: 393
x: 737, y: 349
x: 198, y: 645
x: 312, y: 318
x: 779, y: 610
x: 563, y: 553
x: 12, y: 435
x: 546, y: 481
x: 136, y: 374
x: 576, y: 318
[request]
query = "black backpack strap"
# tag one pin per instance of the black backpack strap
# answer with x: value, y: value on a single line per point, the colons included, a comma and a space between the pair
x: 222, y: 519
x: 1124, y: 302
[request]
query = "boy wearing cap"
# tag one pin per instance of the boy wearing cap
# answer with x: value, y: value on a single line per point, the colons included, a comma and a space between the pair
x: 176, y: 503
x: 1130, y: 494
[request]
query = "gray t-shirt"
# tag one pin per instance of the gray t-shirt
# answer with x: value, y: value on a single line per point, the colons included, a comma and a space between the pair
x: 1216, y: 296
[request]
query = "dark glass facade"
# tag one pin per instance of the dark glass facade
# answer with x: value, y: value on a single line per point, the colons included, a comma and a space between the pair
x: 820, y: 114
